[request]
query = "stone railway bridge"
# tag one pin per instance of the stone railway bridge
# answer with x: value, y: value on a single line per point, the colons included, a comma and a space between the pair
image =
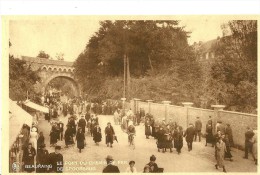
x: 51, y: 69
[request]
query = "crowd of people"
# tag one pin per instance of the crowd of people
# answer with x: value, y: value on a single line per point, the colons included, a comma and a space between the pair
x: 83, y: 120
x: 170, y: 135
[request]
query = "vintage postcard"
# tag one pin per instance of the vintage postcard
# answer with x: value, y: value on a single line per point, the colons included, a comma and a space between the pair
x: 130, y: 94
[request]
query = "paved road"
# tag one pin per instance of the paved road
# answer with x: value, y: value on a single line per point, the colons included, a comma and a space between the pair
x: 92, y: 158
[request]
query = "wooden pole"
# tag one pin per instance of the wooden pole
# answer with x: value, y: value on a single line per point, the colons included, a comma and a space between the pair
x: 128, y: 78
x: 124, y: 93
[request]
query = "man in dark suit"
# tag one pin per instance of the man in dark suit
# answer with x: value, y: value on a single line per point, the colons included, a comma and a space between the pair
x: 189, y: 134
x: 198, y: 126
x: 110, y: 168
x: 56, y: 161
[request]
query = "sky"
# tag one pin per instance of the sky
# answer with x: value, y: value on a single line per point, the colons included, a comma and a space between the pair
x: 70, y: 36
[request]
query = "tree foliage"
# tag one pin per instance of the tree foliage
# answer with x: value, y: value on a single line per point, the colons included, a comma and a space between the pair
x: 234, y: 72
x: 42, y: 54
x: 162, y: 64
x: 21, y: 80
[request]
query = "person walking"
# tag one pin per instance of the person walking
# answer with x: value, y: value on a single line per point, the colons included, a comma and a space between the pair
x: 198, y: 126
x: 220, y: 152
x: 53, y: 137
x: 110, y: 168
x: 40, y: 140
x: 248, y: 142
x: 147, y: 128
x: 56, y: 160
x: 109, y: 132
x: 160, y: 139
x: 228, y: 132
x: 80, y: 137
x: 42, y: 159
x: 97, y: 136
x: 254, y: 148
x: 131, y: 168
x: 178, y: 139
x: 82, y: 123
x: 61, y: 126
x: 153, y: 167
x: 209, y: 134
x: 68, y: 136
x: 28, y: 158
x: 189, y: 134
x: 228, y: 154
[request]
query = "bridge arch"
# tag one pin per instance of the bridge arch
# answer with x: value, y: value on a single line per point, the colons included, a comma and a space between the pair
x: 66, y: 76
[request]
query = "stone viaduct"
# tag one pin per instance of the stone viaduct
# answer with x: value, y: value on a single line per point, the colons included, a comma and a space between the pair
x: 49, y: 69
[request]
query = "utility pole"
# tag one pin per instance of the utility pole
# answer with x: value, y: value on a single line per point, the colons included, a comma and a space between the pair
x: 124, y: 93
x: 128, y: 78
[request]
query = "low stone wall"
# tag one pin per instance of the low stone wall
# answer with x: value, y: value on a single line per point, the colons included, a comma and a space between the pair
x: 184, y: 115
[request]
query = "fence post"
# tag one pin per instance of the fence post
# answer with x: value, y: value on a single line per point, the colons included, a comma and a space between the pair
x: 166, y: 114
x: 217, y: 116
x: 149, y: 105
x: 136, y: 105
x: 186, y: 106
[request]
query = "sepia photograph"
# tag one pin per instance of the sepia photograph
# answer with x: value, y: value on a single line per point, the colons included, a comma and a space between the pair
x: 129, y: 94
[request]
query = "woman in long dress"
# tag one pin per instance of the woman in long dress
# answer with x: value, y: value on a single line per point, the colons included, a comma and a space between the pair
x: 147, y: 128
x: 209, y: 134
x: 228, y: 154
x: 68, y: 136
x: 40, y: 140
x: 254, y: 149
x: 80, y: 137
x: 178, y: 139
x: 220, y: 153
x: 97, y: 134
x: 33, y: 137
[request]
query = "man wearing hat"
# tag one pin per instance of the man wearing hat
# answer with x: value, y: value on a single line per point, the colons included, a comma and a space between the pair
x: 42, y: 159
x: 109, y: 131
x: 110, y: 168
x: 82, y: 123
x: 131, y: 168
x: 153, y: 166
x: 56, y: 160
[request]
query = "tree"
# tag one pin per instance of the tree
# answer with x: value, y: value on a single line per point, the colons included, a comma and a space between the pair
x: 60, y: 56
x: 21, y: 80
x: 234, y: 72
x: 157, y: 51
x: 42, y: 54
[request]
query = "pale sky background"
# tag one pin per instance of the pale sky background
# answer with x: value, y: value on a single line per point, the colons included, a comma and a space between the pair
x: 70, y: 37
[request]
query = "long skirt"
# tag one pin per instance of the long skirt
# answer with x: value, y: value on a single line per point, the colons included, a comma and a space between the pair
x: 220, y: 158
x: 80, y: 144
x: 68, y: 140
x: 97, y: 137
x: 147, y: 130
x: 109, y: 139
x: 168, y: 144
x: 178, y: 144
x: 160, y: 144
x: 209, y: 138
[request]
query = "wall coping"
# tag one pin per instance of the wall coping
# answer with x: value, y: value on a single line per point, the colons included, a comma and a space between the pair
x: 176, y: 106
x: 209, y: 110
x: 202, y: 109
x: 240, y: 113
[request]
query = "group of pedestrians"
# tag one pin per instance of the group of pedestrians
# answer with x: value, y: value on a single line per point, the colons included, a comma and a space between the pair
x: 150, y: 167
